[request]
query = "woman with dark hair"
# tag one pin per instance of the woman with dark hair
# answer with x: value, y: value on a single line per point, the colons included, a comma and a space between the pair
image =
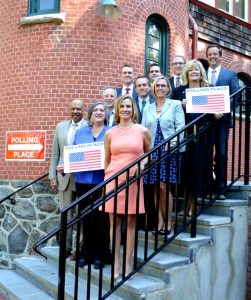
x: 124, y: 143
x: 163, y: 118
x: 95, y: 246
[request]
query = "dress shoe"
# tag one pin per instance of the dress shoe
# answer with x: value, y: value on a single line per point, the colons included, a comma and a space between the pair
x: 68, y: 253
x: 98, y: 264
x: 83, y: 262
x: 73, y: 257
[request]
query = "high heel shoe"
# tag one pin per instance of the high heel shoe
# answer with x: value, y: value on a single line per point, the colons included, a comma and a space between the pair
x: 116, y: 276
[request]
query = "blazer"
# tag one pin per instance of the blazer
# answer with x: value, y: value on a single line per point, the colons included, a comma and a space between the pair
x: 119, y: 92
x: 171, y: 119
x: 57, y: 155
x: 171, y: 80
x: 83, y: 136
x: 151, y: 100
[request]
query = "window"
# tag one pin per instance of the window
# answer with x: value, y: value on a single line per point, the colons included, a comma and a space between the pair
x: 237, y: 8
x: 156, y: 43
x: 39, y: 7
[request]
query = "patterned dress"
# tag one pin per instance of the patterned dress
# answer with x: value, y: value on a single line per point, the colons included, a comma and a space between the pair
x: 168, y: 170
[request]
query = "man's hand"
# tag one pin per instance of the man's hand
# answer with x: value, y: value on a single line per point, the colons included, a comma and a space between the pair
x: 60, y: 168
x: 53, y: 184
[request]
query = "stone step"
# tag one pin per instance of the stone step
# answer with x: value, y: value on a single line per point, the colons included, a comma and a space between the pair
x: 182, y: 245
x: 206, y: 223
x: 44, y: 274
x: 225, y: 207
x: 15, y: 287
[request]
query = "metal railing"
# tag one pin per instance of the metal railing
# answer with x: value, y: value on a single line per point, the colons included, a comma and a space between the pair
x: 10, y: 197
x: 145, y: 247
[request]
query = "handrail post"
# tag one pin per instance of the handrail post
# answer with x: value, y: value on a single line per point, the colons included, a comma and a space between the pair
x: 247, y: 136
x: 62, y: 254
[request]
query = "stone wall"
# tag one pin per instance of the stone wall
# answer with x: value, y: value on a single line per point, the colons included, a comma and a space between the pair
x: 34, y: 215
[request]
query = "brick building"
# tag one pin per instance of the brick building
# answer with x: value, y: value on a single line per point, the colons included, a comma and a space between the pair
x: 49, y: 57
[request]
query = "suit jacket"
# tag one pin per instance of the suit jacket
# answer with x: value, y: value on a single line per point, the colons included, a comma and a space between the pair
x: 171, y: 118
x: 119, y: 92
x: 228, y: 77
x: 151, y: 99
x: 171, y: 80
x: 57, y: 155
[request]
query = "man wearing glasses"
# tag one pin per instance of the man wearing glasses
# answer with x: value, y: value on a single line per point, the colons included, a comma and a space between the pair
x: 144, y: 98
x: 178, y: 63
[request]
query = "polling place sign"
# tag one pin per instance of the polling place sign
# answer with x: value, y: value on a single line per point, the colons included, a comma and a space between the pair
x: 25, y: 145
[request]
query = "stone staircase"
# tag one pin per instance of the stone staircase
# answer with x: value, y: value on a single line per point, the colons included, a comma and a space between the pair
x: 188, y: 268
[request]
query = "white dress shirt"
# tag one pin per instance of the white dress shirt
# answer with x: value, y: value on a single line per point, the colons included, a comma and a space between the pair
x: 217, y: 72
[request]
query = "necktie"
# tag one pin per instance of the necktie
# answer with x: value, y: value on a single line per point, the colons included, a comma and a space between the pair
x: 143, y: 105
x: 72, y: 134
x: 177, y: 81
x: 213, y: 77
x: 127, y: 90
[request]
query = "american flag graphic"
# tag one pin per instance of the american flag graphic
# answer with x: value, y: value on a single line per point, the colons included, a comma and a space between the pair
x: 214, y: 103
x: 85, y: 160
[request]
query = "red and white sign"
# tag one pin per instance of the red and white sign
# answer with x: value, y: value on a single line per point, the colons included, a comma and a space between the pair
x: 25, y: 145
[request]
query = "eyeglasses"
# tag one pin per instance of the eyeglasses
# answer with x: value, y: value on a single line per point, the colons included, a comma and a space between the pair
x: 161, y: 86
x: 178, y: 63
x: 142, y: 85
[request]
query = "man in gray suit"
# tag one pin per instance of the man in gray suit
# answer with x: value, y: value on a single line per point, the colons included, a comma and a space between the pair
x: 60, y: 182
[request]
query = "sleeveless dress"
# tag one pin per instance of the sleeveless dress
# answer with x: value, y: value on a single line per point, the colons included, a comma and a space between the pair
x: 126, y: 145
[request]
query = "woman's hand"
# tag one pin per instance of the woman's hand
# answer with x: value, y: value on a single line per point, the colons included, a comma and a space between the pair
x: 53, y: 184
x: 184, y: 103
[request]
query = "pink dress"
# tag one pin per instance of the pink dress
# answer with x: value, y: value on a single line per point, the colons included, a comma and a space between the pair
x: 126, y: 145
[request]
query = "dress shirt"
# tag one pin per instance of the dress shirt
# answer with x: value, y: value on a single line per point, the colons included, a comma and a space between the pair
x: 124, y: 91
x: 140, y: 102
x: 72, y: 131
x: 84, y: 135
x: 111, y: 118
x: 217, y: 72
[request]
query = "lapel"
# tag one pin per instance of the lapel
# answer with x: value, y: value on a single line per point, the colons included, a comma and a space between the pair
x: 165, y: 107
x: 65, y: 131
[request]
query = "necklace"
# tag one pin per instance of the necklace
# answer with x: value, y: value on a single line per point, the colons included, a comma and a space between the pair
x: 126, y: 127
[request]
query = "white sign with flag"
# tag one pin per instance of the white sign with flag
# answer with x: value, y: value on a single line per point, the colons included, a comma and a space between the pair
x: 84, y: 157
x: 208, y: 100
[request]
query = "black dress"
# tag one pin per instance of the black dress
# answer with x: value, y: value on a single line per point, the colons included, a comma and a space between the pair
x: 197, y: 162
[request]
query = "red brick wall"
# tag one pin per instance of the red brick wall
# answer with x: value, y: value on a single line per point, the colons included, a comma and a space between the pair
x: 45, y: 66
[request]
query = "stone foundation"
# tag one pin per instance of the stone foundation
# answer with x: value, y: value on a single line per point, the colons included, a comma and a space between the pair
x: 35, y: 214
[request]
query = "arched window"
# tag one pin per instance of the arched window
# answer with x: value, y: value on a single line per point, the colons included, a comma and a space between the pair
x: 156, y: 50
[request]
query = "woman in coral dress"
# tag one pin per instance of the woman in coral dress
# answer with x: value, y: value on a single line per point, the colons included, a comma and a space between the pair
x: 124, y: 143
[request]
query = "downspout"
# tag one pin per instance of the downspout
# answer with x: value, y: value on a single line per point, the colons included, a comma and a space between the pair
x: 194, y: 37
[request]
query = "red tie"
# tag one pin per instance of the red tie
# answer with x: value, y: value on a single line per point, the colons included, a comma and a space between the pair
x: 127, y: 90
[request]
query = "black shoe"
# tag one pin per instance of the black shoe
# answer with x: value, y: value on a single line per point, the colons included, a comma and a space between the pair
x: 83, y: 262
x: 98, y: 264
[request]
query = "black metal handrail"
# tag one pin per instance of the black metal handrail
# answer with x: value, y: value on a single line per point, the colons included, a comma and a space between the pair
x: 10, y: 197
x: 192, y: 133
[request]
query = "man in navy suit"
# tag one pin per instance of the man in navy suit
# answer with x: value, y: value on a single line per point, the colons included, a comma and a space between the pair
x: 144, y: 96
x: 109, y: 96
x: 178, y: 64
x: 219, y: 76
x: 127, y: 76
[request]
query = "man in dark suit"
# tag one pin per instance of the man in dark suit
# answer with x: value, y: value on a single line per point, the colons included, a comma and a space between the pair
x: 109, y: 96
x: 219, y: 76
x: 60, y: 182
x: 178, y: 64
x: 154, y: 71
x: 144, y: 96
x: 127, y: 76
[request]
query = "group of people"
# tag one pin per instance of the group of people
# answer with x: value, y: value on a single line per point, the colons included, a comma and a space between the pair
x: 131, y: 120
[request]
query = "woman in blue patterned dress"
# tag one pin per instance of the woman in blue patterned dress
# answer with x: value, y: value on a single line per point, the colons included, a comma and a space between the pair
x: 163, y: 118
